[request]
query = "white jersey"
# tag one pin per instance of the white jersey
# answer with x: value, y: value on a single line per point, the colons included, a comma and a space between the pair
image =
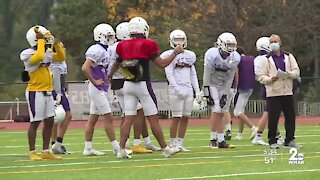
x: 220, y: 72
x: 112, y: 59
x: 27, y: 53
x: 257, y: 63
x: 98, y: 55
x: 181, y: 71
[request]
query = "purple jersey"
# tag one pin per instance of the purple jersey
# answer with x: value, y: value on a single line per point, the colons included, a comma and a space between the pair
x: 99, y: 72
x: 99, y: 56
x: 246, y: 73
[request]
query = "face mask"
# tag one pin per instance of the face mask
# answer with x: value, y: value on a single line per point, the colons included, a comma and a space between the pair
x: 275, y: 46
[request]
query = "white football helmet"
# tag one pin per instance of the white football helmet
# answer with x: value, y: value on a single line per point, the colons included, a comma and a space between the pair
x: 227, y: 42
x: 138, y: 25
x: 104, y: 34
x: 178, y: 37
x: 200, y: 104
x: 122, y: 31
x: 31, y: 35
x: 199, y: 107
x: 263, y: 44
x: 60, y: 114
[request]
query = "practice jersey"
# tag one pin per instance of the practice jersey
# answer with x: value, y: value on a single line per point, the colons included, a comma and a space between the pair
x: 257, y: 63
x: 181, y: 71
x: 246, y: 73
x: 40, y: 75
x: 220, y: 71
x: 112, y: 54
x: 99, y: 55
x: 141, y: 50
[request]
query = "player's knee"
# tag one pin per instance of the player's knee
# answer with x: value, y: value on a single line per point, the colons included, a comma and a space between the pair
x: 237, y: 113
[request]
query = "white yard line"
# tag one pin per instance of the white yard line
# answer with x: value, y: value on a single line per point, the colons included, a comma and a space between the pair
x: 245, y: 174
x: 140, y: 160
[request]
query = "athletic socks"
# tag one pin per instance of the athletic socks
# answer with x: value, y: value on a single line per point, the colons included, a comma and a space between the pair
x: 180, y: 142
x: 115, y: 144
x: 136, y: 142
x: 213, y: 135
x: 147, y: 140
x: 220, y: 137
x: 88, y: 144
x: 172, y: 141
x: 228, y: 127
x: 59, y: 139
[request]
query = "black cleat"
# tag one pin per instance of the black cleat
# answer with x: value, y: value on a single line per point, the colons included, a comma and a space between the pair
x: 228, y: 135
x: 223, y: 144
x: 213, y: 143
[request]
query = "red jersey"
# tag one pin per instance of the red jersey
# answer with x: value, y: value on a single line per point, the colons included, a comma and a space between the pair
x: 139, y: 50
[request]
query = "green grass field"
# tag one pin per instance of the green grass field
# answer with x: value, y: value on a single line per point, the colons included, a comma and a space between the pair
x: 245, y: 161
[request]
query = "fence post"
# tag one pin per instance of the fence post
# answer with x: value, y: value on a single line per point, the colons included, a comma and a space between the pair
x: 18, y: 106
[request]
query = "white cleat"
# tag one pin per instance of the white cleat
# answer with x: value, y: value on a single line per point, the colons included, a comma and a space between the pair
x: 253, y: 133
x: 128, y: 151
x: 238, y: 137
x: 56, y: 148
x: 92, y: 152
x: 183, y: 149
x: 167, y: 151
x: 259, y: 141
x: 280, y: 140
x: 152, y: 147
x: 122, y: 154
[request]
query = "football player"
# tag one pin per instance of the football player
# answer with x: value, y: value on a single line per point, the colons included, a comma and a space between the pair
x: 95, y: 68
x: 36, y: 60
x: 59, y: 73
x: 220, y: 65
x: 140, y: 126
x: 134, y: 56
x: 183, y: 82
x: 245, y: 88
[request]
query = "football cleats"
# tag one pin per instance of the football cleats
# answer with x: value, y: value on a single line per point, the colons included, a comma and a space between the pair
x: 122, y: 31
x: 104, y: 34
x: 60, y: 114
x: 31, y: 35
x: 178, y: 37
x: 263, y: 44
x: 227, y: 42
x: 138, y: 25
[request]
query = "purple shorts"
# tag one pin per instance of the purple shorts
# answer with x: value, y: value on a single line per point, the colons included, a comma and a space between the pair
x: 64, y: 100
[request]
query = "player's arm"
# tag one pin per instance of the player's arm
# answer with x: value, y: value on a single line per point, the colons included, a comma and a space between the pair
x: 115, y: 67
x: 163, y: 62
x: 56, y: 74
x: 236, y: 78
x: 207, y: 70
x: 59, y: 54
x: 37, y: 57
x: 229, y: 80
x: 169, y: 74
x: 87, y: 72
x: 294, y: 72
x: 263, y: 73
x: 194, y: 79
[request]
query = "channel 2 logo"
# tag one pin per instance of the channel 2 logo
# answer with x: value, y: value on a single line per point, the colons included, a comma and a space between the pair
x: 296, y: 158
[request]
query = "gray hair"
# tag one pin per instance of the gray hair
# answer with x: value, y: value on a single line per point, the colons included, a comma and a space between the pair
x: 275, y: 36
